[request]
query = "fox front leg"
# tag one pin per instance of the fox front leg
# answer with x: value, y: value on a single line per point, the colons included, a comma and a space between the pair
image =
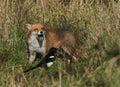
x: 47, y: 60
x: 32, y: 57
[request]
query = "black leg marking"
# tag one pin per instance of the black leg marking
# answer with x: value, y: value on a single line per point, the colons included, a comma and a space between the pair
x: 48, y: 59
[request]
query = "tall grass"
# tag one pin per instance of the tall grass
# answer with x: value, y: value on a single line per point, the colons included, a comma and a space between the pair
x: 98, y: 24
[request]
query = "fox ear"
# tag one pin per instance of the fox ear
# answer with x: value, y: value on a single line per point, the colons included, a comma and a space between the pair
x: 28, y: 26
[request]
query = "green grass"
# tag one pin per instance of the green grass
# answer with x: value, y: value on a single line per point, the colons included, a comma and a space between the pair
x: 97, y: 25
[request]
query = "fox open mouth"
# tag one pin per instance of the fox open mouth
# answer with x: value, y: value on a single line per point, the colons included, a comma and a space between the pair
x: 40, y: 37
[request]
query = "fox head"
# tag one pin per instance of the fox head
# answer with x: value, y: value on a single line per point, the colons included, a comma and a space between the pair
x: 37, y: 31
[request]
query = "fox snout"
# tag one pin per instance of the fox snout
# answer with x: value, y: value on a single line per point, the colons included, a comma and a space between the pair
x: 41, y: 35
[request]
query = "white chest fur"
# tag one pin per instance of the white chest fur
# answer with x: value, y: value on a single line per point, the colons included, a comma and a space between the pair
x: 35, y: 46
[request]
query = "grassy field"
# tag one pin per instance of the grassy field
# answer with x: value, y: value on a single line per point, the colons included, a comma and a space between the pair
x: 98, y: 24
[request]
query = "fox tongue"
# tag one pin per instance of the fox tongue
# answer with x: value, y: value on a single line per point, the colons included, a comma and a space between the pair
x: 40, y: 38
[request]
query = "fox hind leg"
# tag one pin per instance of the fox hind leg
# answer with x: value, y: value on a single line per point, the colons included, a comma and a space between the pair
x: 70, y: 51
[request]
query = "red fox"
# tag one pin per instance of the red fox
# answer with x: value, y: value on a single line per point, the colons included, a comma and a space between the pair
x: 47, y: 41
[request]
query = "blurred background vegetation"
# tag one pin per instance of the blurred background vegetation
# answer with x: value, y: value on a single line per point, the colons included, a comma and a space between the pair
x: 99, y: 24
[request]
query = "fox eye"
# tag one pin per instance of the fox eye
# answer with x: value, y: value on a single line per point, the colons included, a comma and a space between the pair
x: 42, y: 28
x: 36, y: 29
